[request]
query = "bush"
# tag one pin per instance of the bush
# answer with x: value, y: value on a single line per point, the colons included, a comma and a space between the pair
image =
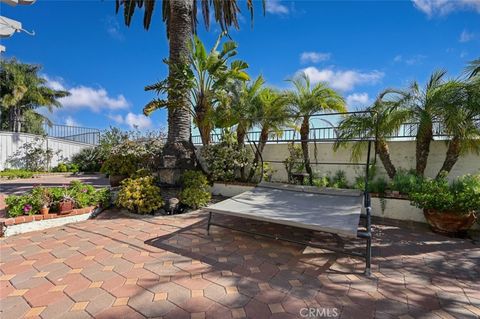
x: 405, y: 182
x: 33, y: 156
x: 196, y: 191
x: 339, y: 180
x: 139, y: 195
x: 22, y: 205
x: 16, y: 173
x: 461, y: 196
x: 294, y: 162
x: 61, y: 168
x: 225, y: 160
x: 87, y: 160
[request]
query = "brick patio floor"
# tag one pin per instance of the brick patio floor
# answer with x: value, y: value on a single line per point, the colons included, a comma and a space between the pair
x: 167, y: 267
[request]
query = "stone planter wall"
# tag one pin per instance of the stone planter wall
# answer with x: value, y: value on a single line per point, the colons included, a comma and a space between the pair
x: 22, y: 224
x: 229, y: 190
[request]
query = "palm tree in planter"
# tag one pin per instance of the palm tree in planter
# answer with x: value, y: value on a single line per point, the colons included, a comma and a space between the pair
x: 23, y: 91
x: 208, y: 78
x: 306, y: 100
x: 460, y: 116
x: 271, y: 114
x: 180, y: 17
x: 424, y: 104
x: 383, y: 121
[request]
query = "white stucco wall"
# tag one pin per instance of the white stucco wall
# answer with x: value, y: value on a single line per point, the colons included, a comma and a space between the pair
x: 10, y: 142
x: 402, y: 154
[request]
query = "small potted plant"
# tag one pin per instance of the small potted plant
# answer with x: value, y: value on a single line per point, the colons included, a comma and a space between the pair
x: 66, y: 203
x: 449, y: 208
x: 43, y: 197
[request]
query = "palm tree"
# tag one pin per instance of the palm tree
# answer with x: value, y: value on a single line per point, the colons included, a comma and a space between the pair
x: 271, y: 115
x: 460, y: 116
x: 23, y: 91
x: 180, y: 17
x: 382, y: 120
x: 207, y: 77
x: 425, y: 105
x: 307, y: 99
x: 473, y: 69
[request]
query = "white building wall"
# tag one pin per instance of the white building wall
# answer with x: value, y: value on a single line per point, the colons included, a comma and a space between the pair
x: 10, y: 142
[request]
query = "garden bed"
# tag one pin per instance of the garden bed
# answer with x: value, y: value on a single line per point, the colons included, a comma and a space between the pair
x: 22, y: 224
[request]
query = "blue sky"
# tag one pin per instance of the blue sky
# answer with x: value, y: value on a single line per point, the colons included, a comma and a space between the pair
x: 359, y: 47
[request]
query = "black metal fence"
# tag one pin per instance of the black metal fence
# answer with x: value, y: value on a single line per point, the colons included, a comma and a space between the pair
x: 406, y: 131
x: 72, y: 133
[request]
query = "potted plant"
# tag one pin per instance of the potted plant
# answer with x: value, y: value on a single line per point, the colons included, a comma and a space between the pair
x: 63, y: 199
x: 43, y: 197
x: 449, y: 208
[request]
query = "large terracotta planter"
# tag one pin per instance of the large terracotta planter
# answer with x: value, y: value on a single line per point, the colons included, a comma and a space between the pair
x: 116, y: 179
x: 449, y: 223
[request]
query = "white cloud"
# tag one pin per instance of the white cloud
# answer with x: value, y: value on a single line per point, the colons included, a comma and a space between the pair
x: 113, y: 28
x: 69, y: 121
x: 139, y: 121
x: 343, y: 80
x: 314, y: 57
x: 466, y: 36
x: 412, y: 60
x: 117, y: 118
x: 358, y: 99
x: 444, y: 7
x: 96, y: 99
x: 275, y: 7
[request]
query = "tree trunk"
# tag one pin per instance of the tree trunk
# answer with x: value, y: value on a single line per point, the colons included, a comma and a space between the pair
x: 179, y: 152
x: 14, y: 119
x: 384, y: 154
x: 423, y: 146
x: 261, y: 145
x: 453, y: 153
x: 241, y: 134
x: 304, y: 134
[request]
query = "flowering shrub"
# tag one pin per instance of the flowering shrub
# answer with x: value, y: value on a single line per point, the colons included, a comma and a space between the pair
x: 196, y: 192
x: 461, y: 196
x: 224, y: 160
x: 139, y: 195
x: 81, y: 194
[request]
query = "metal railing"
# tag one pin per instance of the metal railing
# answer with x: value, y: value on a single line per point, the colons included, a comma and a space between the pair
x: 407, y: 130
x: 72, y: 133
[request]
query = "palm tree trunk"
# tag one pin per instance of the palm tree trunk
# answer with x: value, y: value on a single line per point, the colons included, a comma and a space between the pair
x: 304, y: 134
x: 241, y: 135
x: 453, y: 153
x: 261, y: 145
x: 424, y: 138
x: 384, y: 154
x: 179, y: 152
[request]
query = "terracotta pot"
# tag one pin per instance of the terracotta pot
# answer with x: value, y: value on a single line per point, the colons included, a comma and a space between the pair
x: 44, y: 210
x: 65, y: 206
x: 116, y: 179
x: 449, y: 223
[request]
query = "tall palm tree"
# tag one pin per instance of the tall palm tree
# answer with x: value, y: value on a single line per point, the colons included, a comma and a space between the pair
x: 424, y: 103
x: 473, y: 69
x: 208, y: 76
x: 460, y: 117
x: 307, y: 99
x: 23, y: 91
x: 383, y: 121
x: 180, y: 17
x: 271, y: 114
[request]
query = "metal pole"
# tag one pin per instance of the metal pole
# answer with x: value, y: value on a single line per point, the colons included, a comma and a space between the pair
x: 208, y: 224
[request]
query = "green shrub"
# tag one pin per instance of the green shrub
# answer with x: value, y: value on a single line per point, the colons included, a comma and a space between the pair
x: 87, y: 160
x: 378, y: 186
x: 294, y: 162
x: 16, y: 173
x: 338, y: 180
x: 196, y: 191
x: 461, y: 196
x: 61, y: 168
x: 405, y: 182
x: 225, y: 160
x: 22, y: 205
x: 139, y: 195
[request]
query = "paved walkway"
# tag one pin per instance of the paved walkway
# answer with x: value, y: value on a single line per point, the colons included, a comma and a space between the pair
x: 167, y: 267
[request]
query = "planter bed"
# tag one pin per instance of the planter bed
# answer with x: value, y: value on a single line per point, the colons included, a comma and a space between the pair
x: 22, y: 224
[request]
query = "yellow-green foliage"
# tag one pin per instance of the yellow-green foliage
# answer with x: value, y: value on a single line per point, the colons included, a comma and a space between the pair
x: 196, y: 192
x: 139, y: 195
